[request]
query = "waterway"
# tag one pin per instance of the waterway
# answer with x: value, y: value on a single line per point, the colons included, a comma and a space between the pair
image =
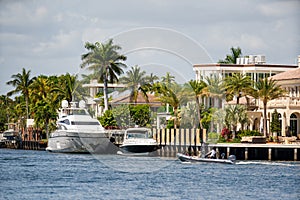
x: 44, y: 175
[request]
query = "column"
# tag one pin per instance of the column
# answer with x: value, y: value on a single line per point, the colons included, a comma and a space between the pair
x: 283, y: 119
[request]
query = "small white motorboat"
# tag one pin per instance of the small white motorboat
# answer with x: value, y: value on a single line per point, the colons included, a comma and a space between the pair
x: 138, y: 141
x: 186, y: 158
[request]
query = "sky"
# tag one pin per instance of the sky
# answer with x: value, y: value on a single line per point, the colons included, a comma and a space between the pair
x: 48, y: 36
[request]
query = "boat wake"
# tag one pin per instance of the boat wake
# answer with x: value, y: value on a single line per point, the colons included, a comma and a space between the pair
x: 264, y: 163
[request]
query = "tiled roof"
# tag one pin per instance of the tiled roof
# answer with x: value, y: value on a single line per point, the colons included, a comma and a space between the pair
x: 140, y: 100
x: 288, y: 75
x: 242, y: 101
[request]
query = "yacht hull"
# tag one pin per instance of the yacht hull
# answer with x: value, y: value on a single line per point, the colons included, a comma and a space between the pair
x: 72, y: 142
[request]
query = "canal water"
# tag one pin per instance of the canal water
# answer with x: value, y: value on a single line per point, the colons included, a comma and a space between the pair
x: 43, y: 175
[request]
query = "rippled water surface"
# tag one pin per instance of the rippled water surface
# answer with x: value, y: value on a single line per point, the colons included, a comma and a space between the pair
x: 43, y: 175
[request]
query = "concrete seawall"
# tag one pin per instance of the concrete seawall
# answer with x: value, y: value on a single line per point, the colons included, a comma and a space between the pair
x: 271, y: 152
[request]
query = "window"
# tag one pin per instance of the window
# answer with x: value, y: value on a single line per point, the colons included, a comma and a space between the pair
x: 261, y: 76
x: 84, y: 123
x: 293, y: 123
x: 66, y: 121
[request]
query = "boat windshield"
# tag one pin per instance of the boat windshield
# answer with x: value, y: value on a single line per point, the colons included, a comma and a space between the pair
x: 136, y: 135
x: 74, y: 112
x: 84, y: 123
x: 139, y: 134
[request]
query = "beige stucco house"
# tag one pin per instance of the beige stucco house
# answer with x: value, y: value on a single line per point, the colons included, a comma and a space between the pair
x: 288, y: 76
x: 288, y: 107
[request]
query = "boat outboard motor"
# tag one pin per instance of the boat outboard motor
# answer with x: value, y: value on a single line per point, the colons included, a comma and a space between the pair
x: 223, y: 155
x: 232, y: 158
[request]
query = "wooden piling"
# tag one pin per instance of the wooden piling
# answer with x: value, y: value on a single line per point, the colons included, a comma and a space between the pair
x: 270, y: 154
x: 246, y: 153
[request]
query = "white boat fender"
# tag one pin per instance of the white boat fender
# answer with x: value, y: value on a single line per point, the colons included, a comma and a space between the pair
x: 222, y: 155
x: 232, y: 158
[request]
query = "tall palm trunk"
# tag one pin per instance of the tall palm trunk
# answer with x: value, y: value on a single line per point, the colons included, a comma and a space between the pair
x: 47, y: 129
x: 175, y: 120
x: 199, y: 112
x: 238, y: 100
x: 27, y: 109
x: 265, y: 119
x: 234, y: 132
x: 105, y: 92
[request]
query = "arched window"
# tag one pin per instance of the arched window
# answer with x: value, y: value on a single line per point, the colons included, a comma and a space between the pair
x: 293, y: 123
x: 256, y: 124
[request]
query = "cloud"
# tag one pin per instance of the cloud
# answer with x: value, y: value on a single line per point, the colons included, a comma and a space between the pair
x: 20, y: 14
x: 61, y: 44
x: 252, y: 41
x: 52, y: 33
x: 279, y: 8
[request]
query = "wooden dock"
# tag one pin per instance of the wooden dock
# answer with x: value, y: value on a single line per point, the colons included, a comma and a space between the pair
x: 189, y: 140
x: 27, y: 145
x: 173, y: 141
x: 33, y: 145
x: 194, y: 141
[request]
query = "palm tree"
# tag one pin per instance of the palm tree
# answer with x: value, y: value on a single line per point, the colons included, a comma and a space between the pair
x: 168, y: 79
x: 134, y: 80
x: 151, y: 78
x: 148, y: 85
x: 199, y: 90
x: 39, y: 88
x: 235, y: 114
x: 169, y: 94
x: 67, y: 87
x: 238, y: 85
x: 215, y: 88
x: 22, y: 83
x: 266, y: 90
x: 45, y: 102
x: 45, y: 112
x: 6, y: 111
x: 216, y: 91
x: 104, y: 60
x: 231, y: 58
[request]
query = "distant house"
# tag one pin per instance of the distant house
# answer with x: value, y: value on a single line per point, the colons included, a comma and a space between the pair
x: 256, y: 67
x: 287, y: 107
x: 117, y: 97
x: 152, y: 101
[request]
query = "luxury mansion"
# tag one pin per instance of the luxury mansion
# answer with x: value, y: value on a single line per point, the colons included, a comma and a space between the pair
x: 287, y: 76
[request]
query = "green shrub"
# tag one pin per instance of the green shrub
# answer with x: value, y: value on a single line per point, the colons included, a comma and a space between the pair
x: 213, y: 135
x: 240, y: 134
x: 140, y: 114
x: 170, y: 124
x: 222, y: 140
x: 236, y: 140
x: 108, y: 120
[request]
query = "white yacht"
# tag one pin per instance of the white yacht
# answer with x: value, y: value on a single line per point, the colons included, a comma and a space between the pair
x: 138, y: 140
x: 78, y: 132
